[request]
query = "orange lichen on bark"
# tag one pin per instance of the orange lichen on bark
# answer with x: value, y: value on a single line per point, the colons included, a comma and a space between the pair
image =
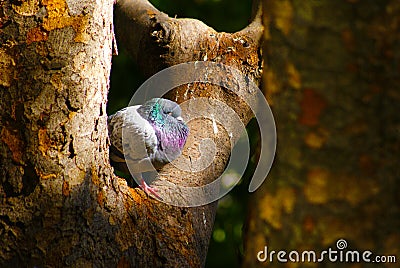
x: 44, y: 141
x: 315, y: 189
x: 112, y: 220
x: 14, y: 142
x: 294, y: 77
x: 100, y: 198
x: 65, y: 188
x: 283, y: 16
x: 312, y: 105
x: 316, y: 139
x: 26, y: 8
x: 47, y: 176
x: 129, y: 202
x: 7, y: 67
x: 323, y: 186
x: 134, y: 194
x: 271, y: 84
x: 56, y: 81
x: 95, y: 176
x: 58, y: 17
x: 273, y: 206
x: 151, y: 13
x: 36, y: 35
x: 354, y: 189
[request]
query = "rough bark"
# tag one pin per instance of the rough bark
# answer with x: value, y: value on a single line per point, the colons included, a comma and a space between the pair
x: 60, y: 204
x: 156, y: 41
x: 332, y: 77
x: 55, y: 64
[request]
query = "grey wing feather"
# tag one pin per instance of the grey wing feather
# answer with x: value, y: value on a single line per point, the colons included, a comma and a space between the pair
x: 139, y: 139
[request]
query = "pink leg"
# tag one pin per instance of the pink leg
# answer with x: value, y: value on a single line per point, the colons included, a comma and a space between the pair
x: 149, y: 190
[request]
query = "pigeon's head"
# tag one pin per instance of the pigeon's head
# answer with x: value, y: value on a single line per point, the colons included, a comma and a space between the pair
x: 170, y: 108
x: 158, y: 110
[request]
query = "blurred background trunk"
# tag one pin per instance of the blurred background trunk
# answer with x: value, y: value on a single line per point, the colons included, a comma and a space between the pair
x: 332, y: 77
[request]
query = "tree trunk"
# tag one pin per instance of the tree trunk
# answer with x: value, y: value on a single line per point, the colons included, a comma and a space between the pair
x: 60, y: 204
x: 56, y: 188
x: 332, y: 77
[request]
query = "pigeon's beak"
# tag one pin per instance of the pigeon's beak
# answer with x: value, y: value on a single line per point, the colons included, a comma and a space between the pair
x: 179, y: 118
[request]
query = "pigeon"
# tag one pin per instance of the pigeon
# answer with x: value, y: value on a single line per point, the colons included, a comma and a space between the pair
x: 154, y: 134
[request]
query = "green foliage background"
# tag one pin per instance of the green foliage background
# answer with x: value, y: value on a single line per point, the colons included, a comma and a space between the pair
x: 226, y: 248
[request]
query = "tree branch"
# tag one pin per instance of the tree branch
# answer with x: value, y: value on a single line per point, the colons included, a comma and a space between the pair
x: 156, y: 41
x: 144, y: 30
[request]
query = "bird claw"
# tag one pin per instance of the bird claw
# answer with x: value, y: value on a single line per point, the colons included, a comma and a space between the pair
x: 149, y: 190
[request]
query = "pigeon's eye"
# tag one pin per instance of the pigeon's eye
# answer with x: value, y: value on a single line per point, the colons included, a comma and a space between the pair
x: 169, y: 113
